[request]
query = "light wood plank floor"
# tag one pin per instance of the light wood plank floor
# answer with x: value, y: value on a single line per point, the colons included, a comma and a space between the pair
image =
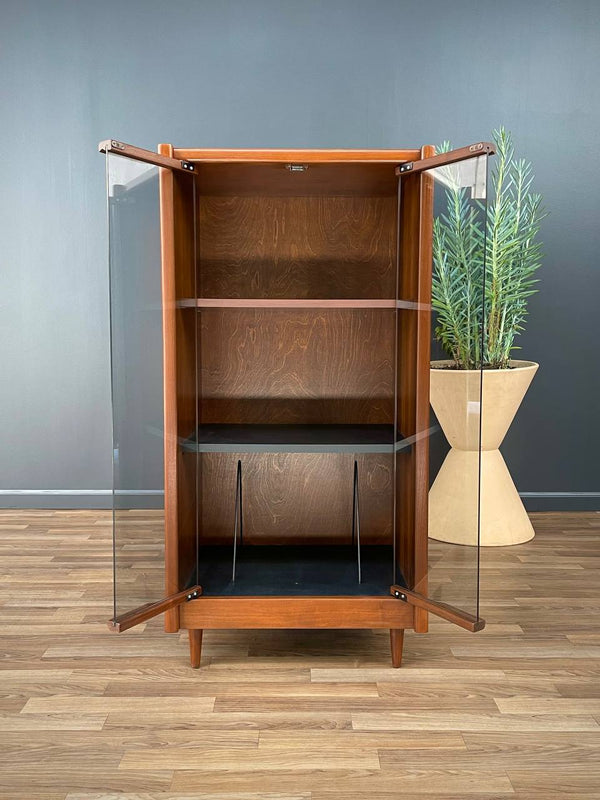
x: 512, y: 712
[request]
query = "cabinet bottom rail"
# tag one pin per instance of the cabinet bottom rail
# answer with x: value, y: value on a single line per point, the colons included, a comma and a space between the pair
x: 296, y: 612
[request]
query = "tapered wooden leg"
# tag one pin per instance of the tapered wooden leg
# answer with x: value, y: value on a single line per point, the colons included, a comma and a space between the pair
x: 195, y: 647
x: 397, y: 642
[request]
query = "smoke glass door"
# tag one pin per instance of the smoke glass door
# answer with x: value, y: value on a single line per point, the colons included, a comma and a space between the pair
x: 138, y: 381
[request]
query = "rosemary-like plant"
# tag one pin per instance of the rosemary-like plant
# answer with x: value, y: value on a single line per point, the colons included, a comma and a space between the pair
x: 484, y: 271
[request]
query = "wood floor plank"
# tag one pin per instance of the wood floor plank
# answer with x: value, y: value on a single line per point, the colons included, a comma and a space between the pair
x: 570, y: 782
x: 61, y: 704
x: 405, y: 740
x: 509, y: 794
x: 408, y: 675
x: 365, y: 783
x: 81, y: 776
x: 261, y: 720
x: 79, y: 743
x: 247, y: 692
x: 45, y: 722
x: 549, y: 705
x: 468, y: 693
x: 444, y: 721
x: 357, y: 705
x: 169, y: 674
x: 252, y: 760
x: 186, y: 796
x: 525, y: 757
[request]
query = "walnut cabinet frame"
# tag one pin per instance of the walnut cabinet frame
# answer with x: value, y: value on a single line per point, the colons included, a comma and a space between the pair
x: 292, y: 319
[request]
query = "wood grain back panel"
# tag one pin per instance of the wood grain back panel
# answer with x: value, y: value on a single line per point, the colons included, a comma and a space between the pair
x: 292, y: 498
x: 297, y: 366
x: 297, y: 247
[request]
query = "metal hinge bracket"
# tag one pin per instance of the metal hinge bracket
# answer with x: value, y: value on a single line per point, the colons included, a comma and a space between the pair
x: 110, y: 144
x: 405, y: 167
x: 192, y: 596
x: 188, y: 165
x: 400, y: 595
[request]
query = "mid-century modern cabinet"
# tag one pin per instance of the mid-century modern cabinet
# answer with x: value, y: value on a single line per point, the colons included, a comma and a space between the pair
x: 271, y: 329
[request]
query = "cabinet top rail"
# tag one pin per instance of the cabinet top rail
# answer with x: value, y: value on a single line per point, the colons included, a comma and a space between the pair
x: 305, y: 156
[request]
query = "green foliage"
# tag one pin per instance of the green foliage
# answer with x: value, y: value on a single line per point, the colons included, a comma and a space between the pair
x: 484, y: 270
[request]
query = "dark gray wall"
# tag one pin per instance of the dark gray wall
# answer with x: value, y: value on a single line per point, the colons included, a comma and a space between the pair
x: 273, y: 73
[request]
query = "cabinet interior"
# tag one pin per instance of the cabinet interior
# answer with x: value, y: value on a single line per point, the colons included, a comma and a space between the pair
x: 272, y: 233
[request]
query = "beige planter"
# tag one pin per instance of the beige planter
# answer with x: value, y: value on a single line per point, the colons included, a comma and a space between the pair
x: 453, y: 499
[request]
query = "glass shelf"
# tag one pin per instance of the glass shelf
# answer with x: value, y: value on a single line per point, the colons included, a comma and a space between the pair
x: 220, y: 438
x: 284, y: 302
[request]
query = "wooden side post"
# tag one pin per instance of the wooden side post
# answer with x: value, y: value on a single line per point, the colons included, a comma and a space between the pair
x: 412, y: 391
x: 167, y: 236
x: 177, y: 226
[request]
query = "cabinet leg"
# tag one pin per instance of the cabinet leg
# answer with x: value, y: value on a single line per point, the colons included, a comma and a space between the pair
x: 396, y: 642
x: 195, y: 647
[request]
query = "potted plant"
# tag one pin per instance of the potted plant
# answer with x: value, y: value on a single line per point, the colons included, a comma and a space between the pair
x: 483, y: 275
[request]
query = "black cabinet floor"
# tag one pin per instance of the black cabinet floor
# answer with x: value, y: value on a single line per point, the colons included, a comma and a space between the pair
x: 295, y: 570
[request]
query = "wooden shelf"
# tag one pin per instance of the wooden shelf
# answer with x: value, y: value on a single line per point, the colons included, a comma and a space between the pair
x: 283, y: 302
x: 220, y: 438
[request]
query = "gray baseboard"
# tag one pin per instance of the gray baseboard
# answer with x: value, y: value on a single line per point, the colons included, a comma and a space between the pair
x: 561, y: 501
x: 72, y: 499
x: 153, y: 498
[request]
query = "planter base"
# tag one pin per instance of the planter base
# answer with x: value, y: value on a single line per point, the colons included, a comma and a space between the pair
x: 453, y: 502
x: 469, y: 427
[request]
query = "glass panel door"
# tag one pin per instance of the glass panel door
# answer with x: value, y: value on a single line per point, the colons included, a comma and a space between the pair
x: 139, y: 387
x: 456, y: 381
x: 440, y: 393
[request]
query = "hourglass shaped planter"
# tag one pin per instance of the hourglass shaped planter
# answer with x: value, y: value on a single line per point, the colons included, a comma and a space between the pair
x: 453, y: 499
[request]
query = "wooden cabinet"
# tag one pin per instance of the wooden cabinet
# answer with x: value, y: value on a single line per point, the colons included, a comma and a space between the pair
x: 271, y: 330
